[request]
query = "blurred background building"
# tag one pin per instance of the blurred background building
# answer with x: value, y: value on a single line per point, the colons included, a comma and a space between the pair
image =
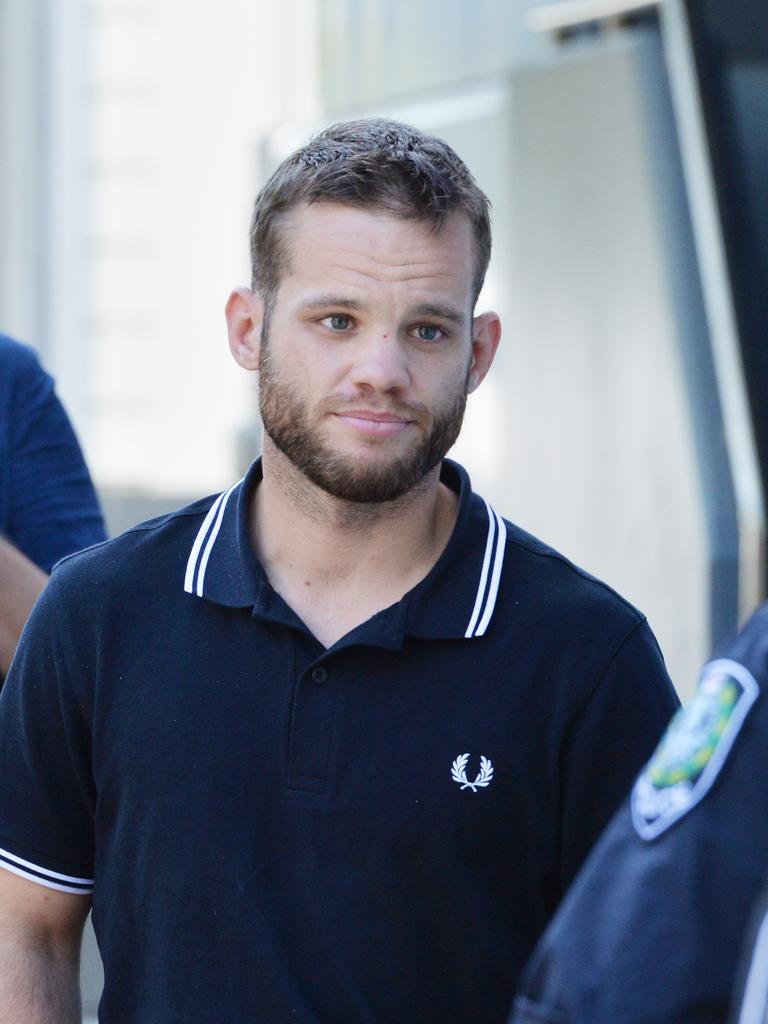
x: 623, y: 146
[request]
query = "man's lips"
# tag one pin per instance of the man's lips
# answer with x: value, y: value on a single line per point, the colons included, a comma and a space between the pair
x: 369, y: 421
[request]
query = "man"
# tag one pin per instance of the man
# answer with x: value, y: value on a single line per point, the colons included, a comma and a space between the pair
x: 48, y: 507
x: 330, y: 746
x: 652, y: 929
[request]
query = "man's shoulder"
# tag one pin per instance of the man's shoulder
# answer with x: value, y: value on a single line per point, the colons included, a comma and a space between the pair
x: 145, y: 553
x: 553, y: 585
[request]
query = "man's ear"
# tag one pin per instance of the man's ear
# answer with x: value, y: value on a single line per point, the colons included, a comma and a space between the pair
x: 245, y: 315
x: 486, y: 335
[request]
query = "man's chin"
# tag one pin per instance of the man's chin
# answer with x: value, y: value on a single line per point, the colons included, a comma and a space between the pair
x: 364, y: 480
x: 360, y: 472
x: 364, y: 487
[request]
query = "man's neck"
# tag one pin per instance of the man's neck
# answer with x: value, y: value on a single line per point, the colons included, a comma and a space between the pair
x: 335, y: 562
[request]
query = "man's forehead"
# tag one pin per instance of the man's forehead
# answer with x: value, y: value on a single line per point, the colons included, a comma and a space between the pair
x: 317, y: 221
x: 338, y: 238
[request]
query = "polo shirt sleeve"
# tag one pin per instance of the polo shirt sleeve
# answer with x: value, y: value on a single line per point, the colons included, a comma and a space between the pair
x: 52, y: 508
x: 612, y: 736
x: 47, y: 798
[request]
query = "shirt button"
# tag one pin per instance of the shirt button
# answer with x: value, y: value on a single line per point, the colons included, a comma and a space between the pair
x: 319, y: 674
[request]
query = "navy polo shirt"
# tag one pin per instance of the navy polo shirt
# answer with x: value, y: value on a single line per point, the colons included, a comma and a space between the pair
x: 650, y: 933
x: 48, y: 506
x: 273, y: 831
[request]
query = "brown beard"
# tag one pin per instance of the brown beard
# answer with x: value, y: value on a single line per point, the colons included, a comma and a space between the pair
x: 284, y: 417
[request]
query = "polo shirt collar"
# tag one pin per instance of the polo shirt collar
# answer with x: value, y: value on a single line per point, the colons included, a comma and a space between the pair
x: 222, y: 566
x: 456, y: 600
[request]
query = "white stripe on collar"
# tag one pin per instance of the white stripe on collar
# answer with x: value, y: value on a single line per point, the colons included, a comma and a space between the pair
x: 195, y: 562
x: 485, y: 600
x: 485, y: 603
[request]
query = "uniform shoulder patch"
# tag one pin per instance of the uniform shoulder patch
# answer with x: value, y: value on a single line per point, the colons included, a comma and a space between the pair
x: 693, y: 749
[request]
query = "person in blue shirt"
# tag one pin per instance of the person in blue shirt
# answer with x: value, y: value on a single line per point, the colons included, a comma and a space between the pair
x: 48, y: 506
x: 329, y: 746
x: 651, y: 931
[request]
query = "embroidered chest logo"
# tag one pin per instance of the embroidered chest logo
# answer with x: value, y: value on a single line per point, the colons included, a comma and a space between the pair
x: 482, y: 779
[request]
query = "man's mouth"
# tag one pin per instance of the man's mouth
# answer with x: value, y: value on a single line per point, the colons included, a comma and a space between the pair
x: 371, y: 421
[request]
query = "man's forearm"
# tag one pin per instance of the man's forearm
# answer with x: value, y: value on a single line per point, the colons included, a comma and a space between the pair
x: 20, y: 584
x: 39, y: 984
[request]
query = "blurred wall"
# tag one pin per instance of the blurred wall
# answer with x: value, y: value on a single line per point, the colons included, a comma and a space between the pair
x: 131, y: 159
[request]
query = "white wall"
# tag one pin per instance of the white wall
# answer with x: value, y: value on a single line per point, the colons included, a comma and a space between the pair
x: 179, y: 95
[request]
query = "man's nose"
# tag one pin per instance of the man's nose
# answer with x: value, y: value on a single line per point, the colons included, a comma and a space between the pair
x: 381, y: 362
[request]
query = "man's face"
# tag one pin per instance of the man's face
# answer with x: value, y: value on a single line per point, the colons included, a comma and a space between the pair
x: 367, y: 354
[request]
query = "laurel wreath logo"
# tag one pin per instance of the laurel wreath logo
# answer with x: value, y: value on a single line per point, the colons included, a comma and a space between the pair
x: 459, y: 772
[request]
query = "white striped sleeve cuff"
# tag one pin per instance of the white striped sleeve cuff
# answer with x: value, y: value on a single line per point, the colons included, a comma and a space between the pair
x: 44, y: 876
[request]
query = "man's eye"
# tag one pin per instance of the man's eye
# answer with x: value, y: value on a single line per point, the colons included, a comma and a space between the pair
x: 428, y: 332
x: 337, y: 322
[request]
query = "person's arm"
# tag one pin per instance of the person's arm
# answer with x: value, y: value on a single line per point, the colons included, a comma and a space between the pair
x: 20, y: 585
x: 47, y: 807
x: 40, y: 935
x: 52, y: 508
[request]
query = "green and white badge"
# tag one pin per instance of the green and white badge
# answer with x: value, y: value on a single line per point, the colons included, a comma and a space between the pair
x: 693, y: 749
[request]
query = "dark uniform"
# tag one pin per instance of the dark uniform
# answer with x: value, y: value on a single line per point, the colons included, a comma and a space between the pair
x: 274, y: 831
x: 651, y: 931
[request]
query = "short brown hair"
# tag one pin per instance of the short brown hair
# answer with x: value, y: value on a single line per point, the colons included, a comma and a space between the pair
x: 372, y: 162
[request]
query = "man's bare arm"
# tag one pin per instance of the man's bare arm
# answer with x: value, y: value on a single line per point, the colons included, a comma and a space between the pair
x: 20, y: 584
x: 40, y: 934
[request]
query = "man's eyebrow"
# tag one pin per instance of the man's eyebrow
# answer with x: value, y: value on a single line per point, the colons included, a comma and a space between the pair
x: 329, y: 301
x: 448, y: 313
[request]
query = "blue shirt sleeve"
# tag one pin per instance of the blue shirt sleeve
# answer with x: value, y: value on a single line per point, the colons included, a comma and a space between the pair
x: 49, y: 506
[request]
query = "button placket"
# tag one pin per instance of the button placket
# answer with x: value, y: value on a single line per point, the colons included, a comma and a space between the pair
x: 312, y: 723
